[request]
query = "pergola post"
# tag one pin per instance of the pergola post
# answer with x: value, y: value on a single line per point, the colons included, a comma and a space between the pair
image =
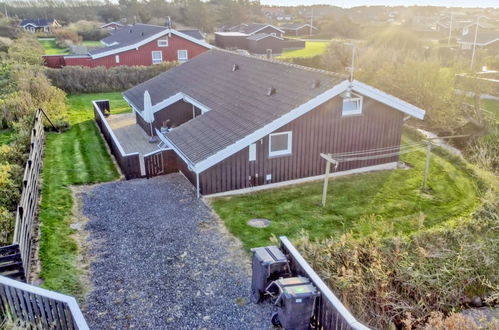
x: 330, y: 161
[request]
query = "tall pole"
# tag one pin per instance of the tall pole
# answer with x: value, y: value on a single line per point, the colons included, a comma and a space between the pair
x: 427, y: 164
x: 474, y: 42
x: 353, y: 63
x: 450, y: 28
x: 311, y: 20
x: 326, y: 180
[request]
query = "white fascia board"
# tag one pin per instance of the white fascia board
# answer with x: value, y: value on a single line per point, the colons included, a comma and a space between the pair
x: 269, y: 128
x: 282, y: 31
x: 152, y: 38
x: 388, y: 99
x: 192, y: 39
x: 169, y: 101
x: 196, y: 103
x: 166, y: 102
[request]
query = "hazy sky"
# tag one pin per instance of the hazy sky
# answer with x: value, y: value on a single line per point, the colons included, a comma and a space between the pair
x: 353, y: 3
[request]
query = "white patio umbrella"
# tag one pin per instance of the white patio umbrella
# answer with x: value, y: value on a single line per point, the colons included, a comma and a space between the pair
x: 148, y: 114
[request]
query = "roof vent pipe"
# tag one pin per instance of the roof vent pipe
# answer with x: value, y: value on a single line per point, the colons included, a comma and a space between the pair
x: 235, y: 67
x: 316, y: 83
x: 271, y: 91
x: 130, y: 31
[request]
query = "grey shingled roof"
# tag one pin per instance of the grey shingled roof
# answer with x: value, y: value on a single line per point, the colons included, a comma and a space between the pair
x: 238, y: 99
x: 295, y: 26
x: 260, y: 36
x: 252, y: 28
x: 138, y: 32
x: 193, y: 33
x: 482, y: 37
x: 38, y: 22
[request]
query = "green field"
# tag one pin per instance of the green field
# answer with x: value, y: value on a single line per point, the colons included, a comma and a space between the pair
x: 382, y: 203
x: 492, y: 106
x: 312, y: 48
x: 75, y: 157
x: 51, y: 47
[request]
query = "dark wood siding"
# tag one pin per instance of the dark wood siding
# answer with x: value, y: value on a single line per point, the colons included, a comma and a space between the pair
x: 261, y: 46
x: 321, y: 130
x: 178, y: 113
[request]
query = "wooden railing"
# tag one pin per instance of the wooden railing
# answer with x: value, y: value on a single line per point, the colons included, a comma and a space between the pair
x: 39, y: 308
x: 330, y: 313
x: 128, y: 163
x: 28, y: 204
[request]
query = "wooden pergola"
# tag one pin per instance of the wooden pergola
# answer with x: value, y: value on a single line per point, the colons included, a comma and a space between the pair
x: 330, y: 160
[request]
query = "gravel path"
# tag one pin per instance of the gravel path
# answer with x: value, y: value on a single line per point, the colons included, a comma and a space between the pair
x: 160, y: 260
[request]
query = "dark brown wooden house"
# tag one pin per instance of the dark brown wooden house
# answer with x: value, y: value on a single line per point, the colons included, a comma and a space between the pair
x: 298, y: 29
x: 239, y: 121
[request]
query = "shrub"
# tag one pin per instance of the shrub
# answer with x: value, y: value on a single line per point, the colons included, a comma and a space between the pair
x: 26, y: 50
x: 65, y: 37
x: 88, y: 30
x: 75, y: 79
x: 10, y: 179
x: 382, y: 279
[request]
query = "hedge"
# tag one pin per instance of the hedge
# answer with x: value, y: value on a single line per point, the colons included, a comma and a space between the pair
x: 77, y: 79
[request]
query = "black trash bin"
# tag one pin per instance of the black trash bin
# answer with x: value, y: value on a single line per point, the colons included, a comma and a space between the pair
x: 295, y: 298
x: 269, y: 263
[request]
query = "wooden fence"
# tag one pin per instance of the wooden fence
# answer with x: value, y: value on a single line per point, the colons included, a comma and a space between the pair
x: 330, y: 313
x: 28, y: 204
x: 38, y: 307
x: 129, y: 163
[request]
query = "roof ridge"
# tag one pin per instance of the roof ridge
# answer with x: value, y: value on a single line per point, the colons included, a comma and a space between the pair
x: 298, y: 66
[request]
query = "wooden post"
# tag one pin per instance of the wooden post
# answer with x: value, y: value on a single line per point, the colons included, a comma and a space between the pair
x: 326, y: 180
x: 427, y: 164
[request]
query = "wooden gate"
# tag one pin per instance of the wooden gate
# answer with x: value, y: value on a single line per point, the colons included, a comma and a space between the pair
x: 155, y: 164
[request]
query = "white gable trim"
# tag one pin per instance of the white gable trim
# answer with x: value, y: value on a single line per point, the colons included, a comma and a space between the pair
x: 179, y: 152
x: 388, y: 99
x: 152, y: 38
x: 272, y: 126
x: 266, y: 26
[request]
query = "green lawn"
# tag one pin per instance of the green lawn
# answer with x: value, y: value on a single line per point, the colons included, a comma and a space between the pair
x: 312, y: 48
x: 6, y: 136
x: 51, y: 47
x: 74, y: 157
x: 492, y: 106
x: 381, y: 203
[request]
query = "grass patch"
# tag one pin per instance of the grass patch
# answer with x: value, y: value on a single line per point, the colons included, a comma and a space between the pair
x: 387, y: 203
x: 51, y: 47
x: 312, y: 48
x: 74, y: 157
x: 6, y: 136
x: 92, y: 44
x: 492, y: 106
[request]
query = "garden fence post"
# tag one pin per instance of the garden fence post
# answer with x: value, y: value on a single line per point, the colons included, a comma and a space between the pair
x: 326, y: 179
x: 427, y: 164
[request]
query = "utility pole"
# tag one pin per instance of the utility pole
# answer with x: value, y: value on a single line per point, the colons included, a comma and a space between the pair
x: 450, y: 28
x: 311, y: 20
x: 474, y: 43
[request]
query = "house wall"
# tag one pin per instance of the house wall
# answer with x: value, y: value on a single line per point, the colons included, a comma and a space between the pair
x: 178, y: 113
x: 231, y: 41
x: 143, y: 55
x: 322, y: 130
x: 261, y: 46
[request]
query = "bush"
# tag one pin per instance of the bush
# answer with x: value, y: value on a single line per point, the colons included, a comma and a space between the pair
x: 89, y: 30
x: 65, y: 37
x: 26, y: 50
x: 76, y: 79
x: 390, y: 280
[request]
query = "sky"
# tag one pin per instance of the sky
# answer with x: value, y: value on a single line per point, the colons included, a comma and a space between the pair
x: 354, y: 3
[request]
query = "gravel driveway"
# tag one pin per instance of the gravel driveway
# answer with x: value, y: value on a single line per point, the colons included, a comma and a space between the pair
x: 160, y: 260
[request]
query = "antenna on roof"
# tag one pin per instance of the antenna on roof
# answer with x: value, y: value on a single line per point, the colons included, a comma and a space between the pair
x: 271, y: 91
x: 353, y: 63
x: 235, y: 67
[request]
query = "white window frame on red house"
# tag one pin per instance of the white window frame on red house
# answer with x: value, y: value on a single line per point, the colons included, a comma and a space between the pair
x: 117, y: 58
x: 182, y: 59
x: 156, y: 61
x: 162, y: 42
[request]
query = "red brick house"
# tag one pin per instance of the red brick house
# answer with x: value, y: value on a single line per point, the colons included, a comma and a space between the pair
x: 236, y: 122
x: 139, y: 44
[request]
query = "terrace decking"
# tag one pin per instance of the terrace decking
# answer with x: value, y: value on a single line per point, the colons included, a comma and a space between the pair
x: 130, y: 135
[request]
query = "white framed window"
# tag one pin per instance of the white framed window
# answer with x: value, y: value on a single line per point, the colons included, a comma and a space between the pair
x: 162, y: 42
x: 182, y: 55
x: 280, y: 144
x: 352, y: 105
x: 252, y: 152
x: 157, y: 56
x: 117, y: 58
x: 273, y: 34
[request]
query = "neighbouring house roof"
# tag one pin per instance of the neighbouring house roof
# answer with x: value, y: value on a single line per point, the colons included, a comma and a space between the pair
x: 483, y: 38
x: 131, y: 37
x: 232, y: 34
x: 260, y: 36
x: 193, y: 33
x: 253, y: 28
x: 110, y: 23
x: 237, y: 108
x: 38, y: 22
x: 296, y: 26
